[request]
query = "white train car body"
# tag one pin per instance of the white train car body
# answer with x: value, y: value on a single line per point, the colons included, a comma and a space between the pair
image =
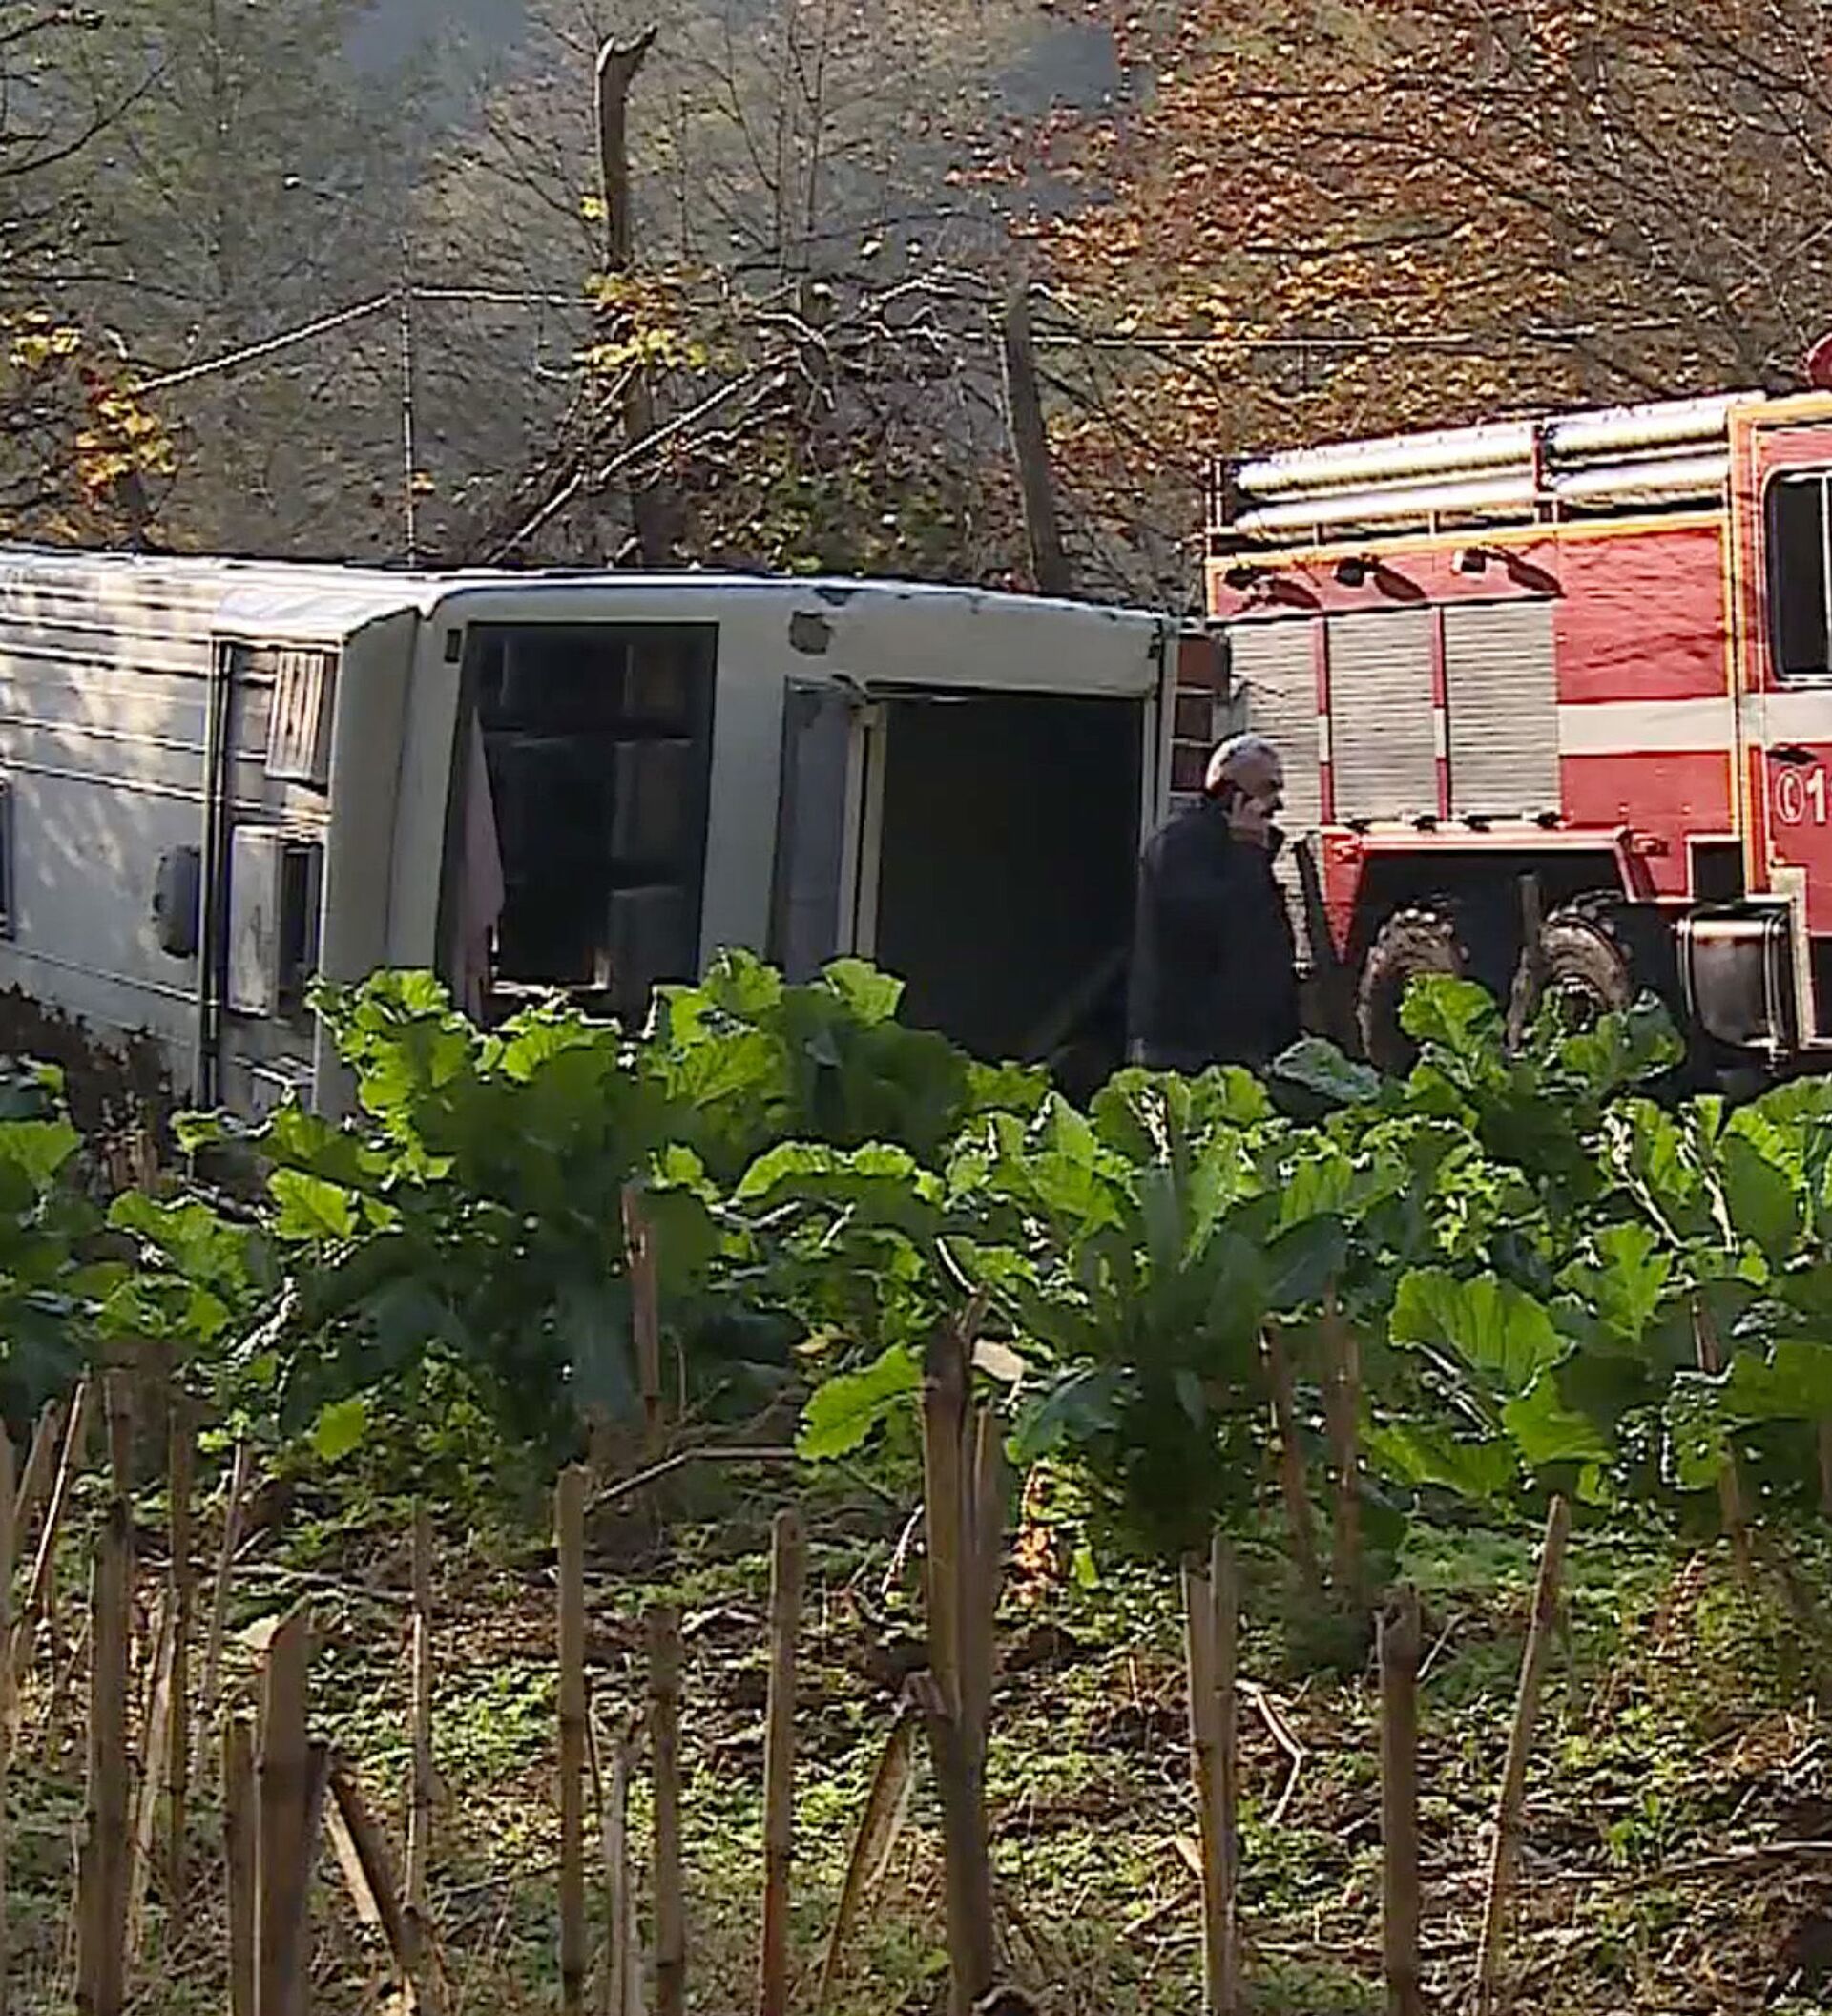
x: 218, y: 778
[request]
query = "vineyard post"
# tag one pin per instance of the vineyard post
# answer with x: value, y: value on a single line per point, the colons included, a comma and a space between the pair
x: 1201, y: 1673
x: 1293, y: 1488
x: 619, y: 1977
x: 117, y: 1412
x: 786, y: 1576
x: 1506, y: 1846
x: 1345, y: 1395
x: 180, y: 1472
x: 41, y: 1461
x: 954, y: 1591
x: 239, y: 1860
x: 1730, y: 1483
x: 362, y: 1854
x: 417, y: 1915
x: 982, y: 1565
x: 241, y: 1469
x: 662, y: 1626
x: 286, y: 1791
x: 570, y: 1532
x: 645, y: 1313
x: 7, y: 1550
x: 1398, y: 1658
x: 1225, y: 1583
x: 873, y: 1840
x: 43, y: 1564
x: 153, y: 1778
x: 102, y: 1868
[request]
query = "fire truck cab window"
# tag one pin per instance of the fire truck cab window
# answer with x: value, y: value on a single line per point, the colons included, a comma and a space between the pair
x: 1800, y: 576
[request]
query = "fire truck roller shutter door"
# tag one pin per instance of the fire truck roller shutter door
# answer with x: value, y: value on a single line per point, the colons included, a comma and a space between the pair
x: 1501, y: 699
x: 1382, y: 739
x: 1272, y: 674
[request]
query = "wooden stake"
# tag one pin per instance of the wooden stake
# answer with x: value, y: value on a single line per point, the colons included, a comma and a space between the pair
x: 1293, y: 1487
x: 181, y: 1471
x: 1401, y: 1903
x: 980, y: 1567
x: 620, y: 1976
x: 1224, y: 1580
x: 239, y: 1860
x: 953, y: 1696
x: 102, y: 1889
x: 362, y: 1854
x: 971, y: 1948
x: 786, y: 1573
x: 1730, y: 1484
x: 117, y: 1408
x: 418, y: 1914
x: 43, y: 1564
x: 1345, y: 1394
x: 41, y: 1464
x: 879, y: 1826
x: 1208, y: 1670
x: 1509, y: 1805
x: 8, y: 1548
x: 944, y: 1406
x: 570, y: 1532
x: 154, y: 1778
x: 662, y: 1626
x: 241, y: 1471
x: 286, y: 1786
x: 645, y: 1313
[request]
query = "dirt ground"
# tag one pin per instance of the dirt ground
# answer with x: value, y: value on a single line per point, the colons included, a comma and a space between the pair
x: 1678, y: 1854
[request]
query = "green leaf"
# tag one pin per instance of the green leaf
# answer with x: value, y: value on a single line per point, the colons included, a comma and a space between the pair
x: 1454, y: 1015
x: 340, y: 1428
x: 1425, y: 1453
x: 311, y: 1208
x: 1303, y: 1262
x: 1082, y: 1406
x: 39, y: 1146
x: 1546, y: 1430
x: 845, y: 1411
x: 1762, y: 1198
x: 1627, y: 1281
x: 1318, y: 1066
x: 870, y: 996
x: 1487, y: 1322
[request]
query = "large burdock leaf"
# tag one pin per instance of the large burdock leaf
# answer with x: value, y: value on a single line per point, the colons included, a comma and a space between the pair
x: 845, y: 1411
x: 1492, y: 1326
x: 1547, y: 1430
x: 1763, y: 1198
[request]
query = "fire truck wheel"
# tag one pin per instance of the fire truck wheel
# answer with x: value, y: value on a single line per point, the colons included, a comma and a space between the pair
x: 1586, y: 968
x: 1411, y: 942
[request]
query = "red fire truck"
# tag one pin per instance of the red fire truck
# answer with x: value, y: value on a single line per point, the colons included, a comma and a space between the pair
x: 1574, y: 668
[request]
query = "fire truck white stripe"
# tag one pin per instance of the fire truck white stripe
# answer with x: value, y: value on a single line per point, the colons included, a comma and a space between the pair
x: 1643, y: 727
x: 1803, y: 713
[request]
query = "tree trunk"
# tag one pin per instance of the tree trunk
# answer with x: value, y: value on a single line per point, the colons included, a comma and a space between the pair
x: 652, y: 504
x: 1030, y: 447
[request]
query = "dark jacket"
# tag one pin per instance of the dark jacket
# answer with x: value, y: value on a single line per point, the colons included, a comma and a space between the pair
x: 1214, y: 972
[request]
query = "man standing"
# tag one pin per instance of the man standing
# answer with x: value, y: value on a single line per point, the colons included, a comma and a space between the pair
x: 1214, y: 970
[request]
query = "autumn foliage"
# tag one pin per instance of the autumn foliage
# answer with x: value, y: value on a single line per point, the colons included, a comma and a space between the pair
x: 1322, y: 217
